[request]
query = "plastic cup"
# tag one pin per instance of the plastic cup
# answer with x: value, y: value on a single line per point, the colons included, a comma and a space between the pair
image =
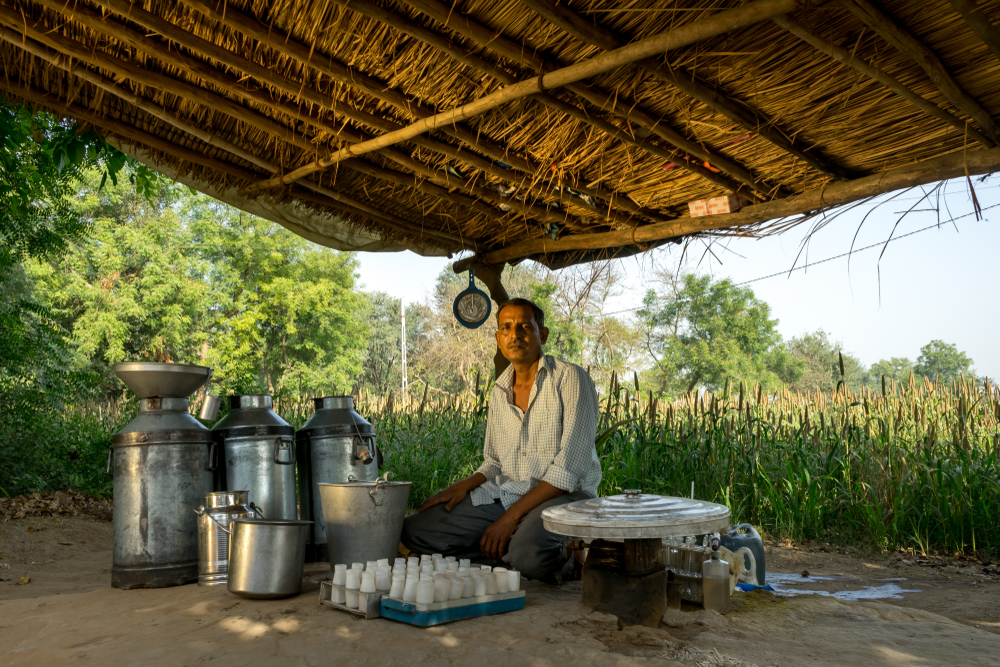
x: 513, y: 581
x: 457, y: 586
x: 397, y: 587
x: 479, y: 584
x: 352, y: 584
x: 465, y: 562
x: 442, y: 587
x: 468, y: 585
x: 500, y: 574
x: 410, y: 589
x: 367, y: 582
x: 491, y: 583
x: 425, y: 592
x: 383, y: 580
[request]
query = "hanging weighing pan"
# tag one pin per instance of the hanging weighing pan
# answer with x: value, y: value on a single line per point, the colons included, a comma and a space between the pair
x: 472, y: 306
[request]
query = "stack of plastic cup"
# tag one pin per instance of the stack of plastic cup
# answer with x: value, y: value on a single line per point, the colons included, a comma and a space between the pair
x: 397, y: 585
x: 503, y: 583
x: 442, y: 587
x: 352, y: 583
x: 337, y: 594
x: 479, y: 583
x: 513, y: 581
x: 425, y: 588
x: 382, y: 579
x: 410, y: 588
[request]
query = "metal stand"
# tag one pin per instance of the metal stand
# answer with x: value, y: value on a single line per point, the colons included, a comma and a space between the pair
x: 627, y: 579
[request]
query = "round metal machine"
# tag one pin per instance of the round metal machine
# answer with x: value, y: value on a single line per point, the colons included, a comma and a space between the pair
x: 162, y: 470
x: 625, y: 574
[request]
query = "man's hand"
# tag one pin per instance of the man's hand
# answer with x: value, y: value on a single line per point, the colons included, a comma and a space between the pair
x: 454, y: 494
x: 493, y: 545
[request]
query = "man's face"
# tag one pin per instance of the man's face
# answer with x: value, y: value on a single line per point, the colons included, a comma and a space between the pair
x: 518, y: 336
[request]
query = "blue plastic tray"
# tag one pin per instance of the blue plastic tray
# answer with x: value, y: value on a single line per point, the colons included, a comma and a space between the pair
x: 436, y: 613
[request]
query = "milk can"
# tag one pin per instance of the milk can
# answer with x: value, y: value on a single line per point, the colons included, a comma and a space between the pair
x: 258, y: 453
x: 219, y: 510
x: 162, y: 470
x: 335, y: 444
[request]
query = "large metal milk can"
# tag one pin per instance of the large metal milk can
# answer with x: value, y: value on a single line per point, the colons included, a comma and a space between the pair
x: 258, y: 451
x: 335, y: 444
x: 162, y: 470
x: 218, y: 512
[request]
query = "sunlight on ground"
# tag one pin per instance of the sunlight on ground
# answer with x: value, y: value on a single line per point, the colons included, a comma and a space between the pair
x: 286, y: 625
x: 347, y: 634
x: 894, y: 657
x: 449, y: 640
x: 199, y: 609
x: 248, y: 629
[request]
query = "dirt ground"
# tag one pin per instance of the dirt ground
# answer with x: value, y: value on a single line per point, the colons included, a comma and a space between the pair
x: 66, y: 613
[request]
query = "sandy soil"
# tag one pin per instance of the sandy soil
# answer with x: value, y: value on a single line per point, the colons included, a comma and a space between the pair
x: 67, y: 614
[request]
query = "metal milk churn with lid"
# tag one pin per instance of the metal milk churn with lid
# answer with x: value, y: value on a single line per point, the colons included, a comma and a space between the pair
x: 162, y: 471
x: 258, y: 455
x: 335, y: 444
x: 220, y: 508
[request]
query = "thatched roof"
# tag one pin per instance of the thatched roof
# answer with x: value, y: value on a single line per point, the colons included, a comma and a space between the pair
x: 423, y: 124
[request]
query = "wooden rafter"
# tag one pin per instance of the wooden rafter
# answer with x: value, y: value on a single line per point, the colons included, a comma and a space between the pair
x: 979, y: 24
x: 628, y: 109
x: 842, y: 55
x: 712, y: 26
x: 442, y: 180
x: 892, y: 31
x: 958, y: 164
x: 382, y: 91
x: 592, y: 33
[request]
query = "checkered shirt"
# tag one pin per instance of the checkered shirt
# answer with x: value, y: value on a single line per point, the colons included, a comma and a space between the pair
x: 552, y: 442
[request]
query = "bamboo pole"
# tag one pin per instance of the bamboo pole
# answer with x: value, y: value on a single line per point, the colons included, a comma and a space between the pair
x: 295, y: 89
x: 950, y: 166
x: 604, y: 101
x: 845, y: 57
x: 158, y: 81
x: 337, y: 71
x: 591, y: 33
x: 896, y: 34
x: 712, y: 26
x: 979, y: 24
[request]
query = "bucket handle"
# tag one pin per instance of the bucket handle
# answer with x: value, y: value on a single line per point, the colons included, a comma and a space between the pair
x: 380, y: 484
x: 213, y: 455
x: 200, y: 511
x: 277, y: 452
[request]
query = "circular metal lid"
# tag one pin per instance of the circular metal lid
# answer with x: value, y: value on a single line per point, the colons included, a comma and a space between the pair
x: 635, y: 515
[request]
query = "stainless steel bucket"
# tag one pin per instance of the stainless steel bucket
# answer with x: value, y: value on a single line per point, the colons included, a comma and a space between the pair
x: 335, y: 444
x: 364, y: 519
x: 266, y: 558
x: 220, y: 509
x: 162, y: 471
x: 259, y: 453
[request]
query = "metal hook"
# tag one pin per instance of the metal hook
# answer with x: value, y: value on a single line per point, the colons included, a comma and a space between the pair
x: 380, y: 483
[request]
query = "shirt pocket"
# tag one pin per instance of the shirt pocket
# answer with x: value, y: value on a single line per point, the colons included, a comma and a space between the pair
x: 545, y: 431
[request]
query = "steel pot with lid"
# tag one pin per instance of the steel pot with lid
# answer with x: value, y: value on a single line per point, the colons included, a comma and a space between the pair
x: 335, y: 445
x: 364, y: 519
x: 258, y: 455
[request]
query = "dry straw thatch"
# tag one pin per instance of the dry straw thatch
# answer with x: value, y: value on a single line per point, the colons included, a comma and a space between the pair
x: 794, y: 106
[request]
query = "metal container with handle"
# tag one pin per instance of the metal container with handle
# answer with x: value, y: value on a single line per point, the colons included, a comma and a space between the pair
x: 364, y: 519
x: 162, y: 467
x: 259, y: 455
x: 334, y: 445
x: 220, y: 509
x: 266, y: 557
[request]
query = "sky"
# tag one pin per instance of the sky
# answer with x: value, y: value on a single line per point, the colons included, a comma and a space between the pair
x: 939, y: 283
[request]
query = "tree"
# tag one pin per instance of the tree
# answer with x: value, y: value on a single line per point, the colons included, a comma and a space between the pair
x: 287, y: 314
x: 820, y: 358
x: 943, y: 361
x: 702, y: 332
x: 896, y: 368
